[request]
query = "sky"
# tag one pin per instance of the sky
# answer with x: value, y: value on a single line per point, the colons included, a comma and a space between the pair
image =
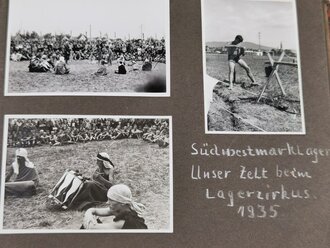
x: 275, y: 20
x: 124, y: 17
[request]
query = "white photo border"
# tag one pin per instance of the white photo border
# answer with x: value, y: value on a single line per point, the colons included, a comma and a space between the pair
x: 50, y: 231
x: 303, y: 128
x: 126, y: 94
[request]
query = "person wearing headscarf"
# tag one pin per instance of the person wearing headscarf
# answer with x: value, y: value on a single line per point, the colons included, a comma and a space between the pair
x: 125, y: 212
x: 94, y: 190
x: 22, y: 177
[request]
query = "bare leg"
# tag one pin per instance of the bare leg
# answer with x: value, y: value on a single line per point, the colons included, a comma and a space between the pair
x: 231, y: 73
x: 242, y: 63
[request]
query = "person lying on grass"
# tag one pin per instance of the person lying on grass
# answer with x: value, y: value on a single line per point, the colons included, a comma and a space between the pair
x: 23, y: 176
x: 122, y: 213
x: 235, y: 53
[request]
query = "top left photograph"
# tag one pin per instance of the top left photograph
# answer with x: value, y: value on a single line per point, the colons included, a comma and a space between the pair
x: 88, y: 47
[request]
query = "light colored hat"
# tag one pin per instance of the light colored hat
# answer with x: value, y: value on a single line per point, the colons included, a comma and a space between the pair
x: 122, y: 194
x: 105, y: 158
x: 21, y: 152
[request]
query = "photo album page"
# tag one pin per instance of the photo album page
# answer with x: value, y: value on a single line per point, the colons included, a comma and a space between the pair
x: 165, y: 123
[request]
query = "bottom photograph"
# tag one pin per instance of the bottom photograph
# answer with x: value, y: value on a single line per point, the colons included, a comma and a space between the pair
x: 86, y: 174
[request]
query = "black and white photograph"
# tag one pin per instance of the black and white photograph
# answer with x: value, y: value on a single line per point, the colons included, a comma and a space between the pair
x: 99, y: 47
x: 65, y: 173
x: 252, y: 76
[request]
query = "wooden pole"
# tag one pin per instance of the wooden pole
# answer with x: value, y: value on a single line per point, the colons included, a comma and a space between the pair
x: 276, y: 73
x: 272, y: 74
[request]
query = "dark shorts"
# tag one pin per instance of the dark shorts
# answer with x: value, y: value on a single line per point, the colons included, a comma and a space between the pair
x: 234, y: 59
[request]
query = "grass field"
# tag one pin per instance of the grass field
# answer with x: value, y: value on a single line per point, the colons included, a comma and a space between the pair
x: 144, y: 167
x: 275, y: 113
x: 80, y: 79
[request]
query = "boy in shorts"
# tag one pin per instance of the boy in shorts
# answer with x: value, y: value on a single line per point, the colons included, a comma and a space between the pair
x: 234, y: 56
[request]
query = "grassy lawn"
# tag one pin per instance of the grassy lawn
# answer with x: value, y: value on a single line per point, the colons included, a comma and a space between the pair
x: 142, y: 166
x: 242, y: 99
x: 80, y: 79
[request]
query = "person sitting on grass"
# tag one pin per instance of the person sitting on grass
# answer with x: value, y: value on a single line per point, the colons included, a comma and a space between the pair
x: 23, y: 176
x: 44, y: 137
x: 16, y: 56
x: 10, y: 142
x: 136, y: 133
x: 163, y: 141
x: 39, y: 64
x: 94, y: 191
x: 105, y: 134
x: 135, y: 66
x: 83, y: 135
x: 97, y: 133
x: 18, y: 139
x: 102, y: 71
x: 64, y: 137
x: 117, y: 133
x: 60, y: 67
x: 156, y: 137
x: 121, y: 68
x: 122, y: 213
x: 147, y: 66
x: 121, y: 59
x: 92, y: 134
x: 125, y: 132
x: 53, y: 140
x: 37, y: 141
x: 75, y: 135
x: 148, y: 136
x: 25, y: 139
x: 235, y: 53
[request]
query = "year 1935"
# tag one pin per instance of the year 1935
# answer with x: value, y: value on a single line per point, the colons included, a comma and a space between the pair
x: 259, y: 211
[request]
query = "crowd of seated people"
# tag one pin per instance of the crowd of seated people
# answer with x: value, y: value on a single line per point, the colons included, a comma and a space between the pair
x: 27, y: 47
x: 58, y: 132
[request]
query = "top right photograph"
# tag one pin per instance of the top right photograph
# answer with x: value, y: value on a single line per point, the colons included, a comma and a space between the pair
x: 252, y: 74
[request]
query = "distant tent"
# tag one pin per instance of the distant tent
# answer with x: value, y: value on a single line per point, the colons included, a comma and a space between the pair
x: 82, y: 37
x: 17, y: 38
x: 290, y: 52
